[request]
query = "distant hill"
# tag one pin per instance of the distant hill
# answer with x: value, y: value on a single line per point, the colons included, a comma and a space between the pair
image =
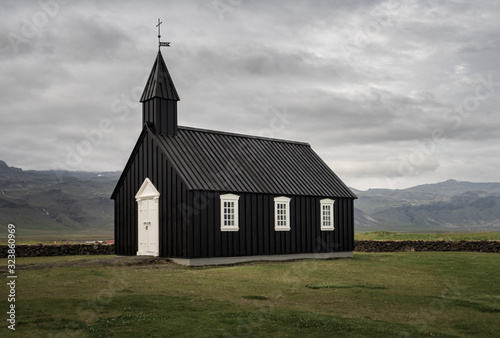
x: 57, y: 204
x: 446, y: 206
x: 75, y: 205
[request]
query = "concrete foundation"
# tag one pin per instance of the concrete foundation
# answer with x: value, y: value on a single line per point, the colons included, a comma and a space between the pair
x: 243, y: 259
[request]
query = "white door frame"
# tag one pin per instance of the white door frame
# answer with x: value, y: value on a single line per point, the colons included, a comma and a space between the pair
x: 147, y: 224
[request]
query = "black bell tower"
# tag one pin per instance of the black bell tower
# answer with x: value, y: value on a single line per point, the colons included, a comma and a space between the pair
x: 159, y: 99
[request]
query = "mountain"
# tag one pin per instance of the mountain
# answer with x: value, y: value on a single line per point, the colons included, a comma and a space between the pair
x: 75, y: 205
x: 57, y: 204
x: 445, y: 206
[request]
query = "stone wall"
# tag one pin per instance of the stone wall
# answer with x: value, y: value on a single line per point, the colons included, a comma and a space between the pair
x: 394, y: 246
x: 360, y: 246
x: 59, y: 250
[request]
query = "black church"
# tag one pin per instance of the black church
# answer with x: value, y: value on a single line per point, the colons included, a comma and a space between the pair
x: 211, y: 197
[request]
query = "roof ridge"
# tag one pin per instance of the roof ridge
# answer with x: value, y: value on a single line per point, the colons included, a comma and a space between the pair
x: 242, y: 135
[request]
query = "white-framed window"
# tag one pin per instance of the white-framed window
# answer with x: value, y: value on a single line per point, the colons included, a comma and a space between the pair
x: 327, y: 220
x: 229, y: 212
x: 282, y: 213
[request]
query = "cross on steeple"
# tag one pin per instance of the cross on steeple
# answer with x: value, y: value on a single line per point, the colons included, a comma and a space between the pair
x: 158, y: 25
x: 161, y: 44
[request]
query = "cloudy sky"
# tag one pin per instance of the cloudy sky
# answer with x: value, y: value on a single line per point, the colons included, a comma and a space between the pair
x: 390, y: 94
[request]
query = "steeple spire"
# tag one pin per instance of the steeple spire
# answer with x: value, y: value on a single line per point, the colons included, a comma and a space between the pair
x: 159, y: 99
x: 160, y: 83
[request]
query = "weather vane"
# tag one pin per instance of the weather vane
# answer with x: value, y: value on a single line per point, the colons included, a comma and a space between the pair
x: 161, y: 44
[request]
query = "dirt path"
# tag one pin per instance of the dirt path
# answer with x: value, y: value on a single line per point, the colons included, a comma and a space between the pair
x: 112, y: 261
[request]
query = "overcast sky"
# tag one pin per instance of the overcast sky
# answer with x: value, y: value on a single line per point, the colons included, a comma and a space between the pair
x: 390, y: 94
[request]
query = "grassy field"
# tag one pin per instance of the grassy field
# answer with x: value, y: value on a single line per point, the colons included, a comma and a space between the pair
x: 373, y: 295
x: 449, y: 236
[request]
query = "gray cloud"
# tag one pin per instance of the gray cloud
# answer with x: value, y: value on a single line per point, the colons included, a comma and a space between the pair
x: 385, y: 91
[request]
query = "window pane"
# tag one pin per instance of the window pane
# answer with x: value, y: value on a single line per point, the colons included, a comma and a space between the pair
x: 326, y: 213
x: 228, y: 212
x: 280, y: 211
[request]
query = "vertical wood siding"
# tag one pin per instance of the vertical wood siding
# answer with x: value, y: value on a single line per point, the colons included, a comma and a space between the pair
x: 162, y: 114
x: 150, y: 162
x: 256, y: 235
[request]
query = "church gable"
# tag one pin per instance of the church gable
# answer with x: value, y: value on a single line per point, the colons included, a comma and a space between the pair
x: 143, y: 158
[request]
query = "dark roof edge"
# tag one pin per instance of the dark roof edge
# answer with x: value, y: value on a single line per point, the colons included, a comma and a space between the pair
x: 243, y: 135
x: 129, y: 163
x: 146, y: 128
x: 165, y: 152
x: 271, y: 193
x: 334, y: 174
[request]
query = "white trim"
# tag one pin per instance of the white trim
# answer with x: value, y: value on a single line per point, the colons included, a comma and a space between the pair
x: 229, y: 198
x: 146, y: 246
x: 327, y: 224
x: 147, y: 190
x: 278, y: 217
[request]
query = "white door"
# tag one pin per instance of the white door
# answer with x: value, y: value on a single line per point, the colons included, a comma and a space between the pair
x: 148, y: 227
x: 147, y: 224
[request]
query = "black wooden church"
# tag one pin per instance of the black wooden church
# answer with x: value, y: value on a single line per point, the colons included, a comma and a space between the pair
x: 210, y: 197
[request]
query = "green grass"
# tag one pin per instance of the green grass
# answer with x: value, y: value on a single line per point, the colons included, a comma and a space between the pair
x: 441, y: 294
x: 452, y: 236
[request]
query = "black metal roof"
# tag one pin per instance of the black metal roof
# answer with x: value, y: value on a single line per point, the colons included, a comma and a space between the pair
x: 160, y: 83
x: 220, y: 161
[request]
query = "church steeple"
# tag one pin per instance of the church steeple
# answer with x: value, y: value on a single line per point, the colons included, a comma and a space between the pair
x: 159, y: 99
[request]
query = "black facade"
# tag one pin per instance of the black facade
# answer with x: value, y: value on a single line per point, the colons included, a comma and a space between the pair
x: 191, y: 168
x: 257, y: 235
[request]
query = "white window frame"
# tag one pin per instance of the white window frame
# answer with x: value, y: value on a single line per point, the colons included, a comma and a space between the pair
x: 277, y: 220
x: 229, y: 198
x: 327, y: 203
